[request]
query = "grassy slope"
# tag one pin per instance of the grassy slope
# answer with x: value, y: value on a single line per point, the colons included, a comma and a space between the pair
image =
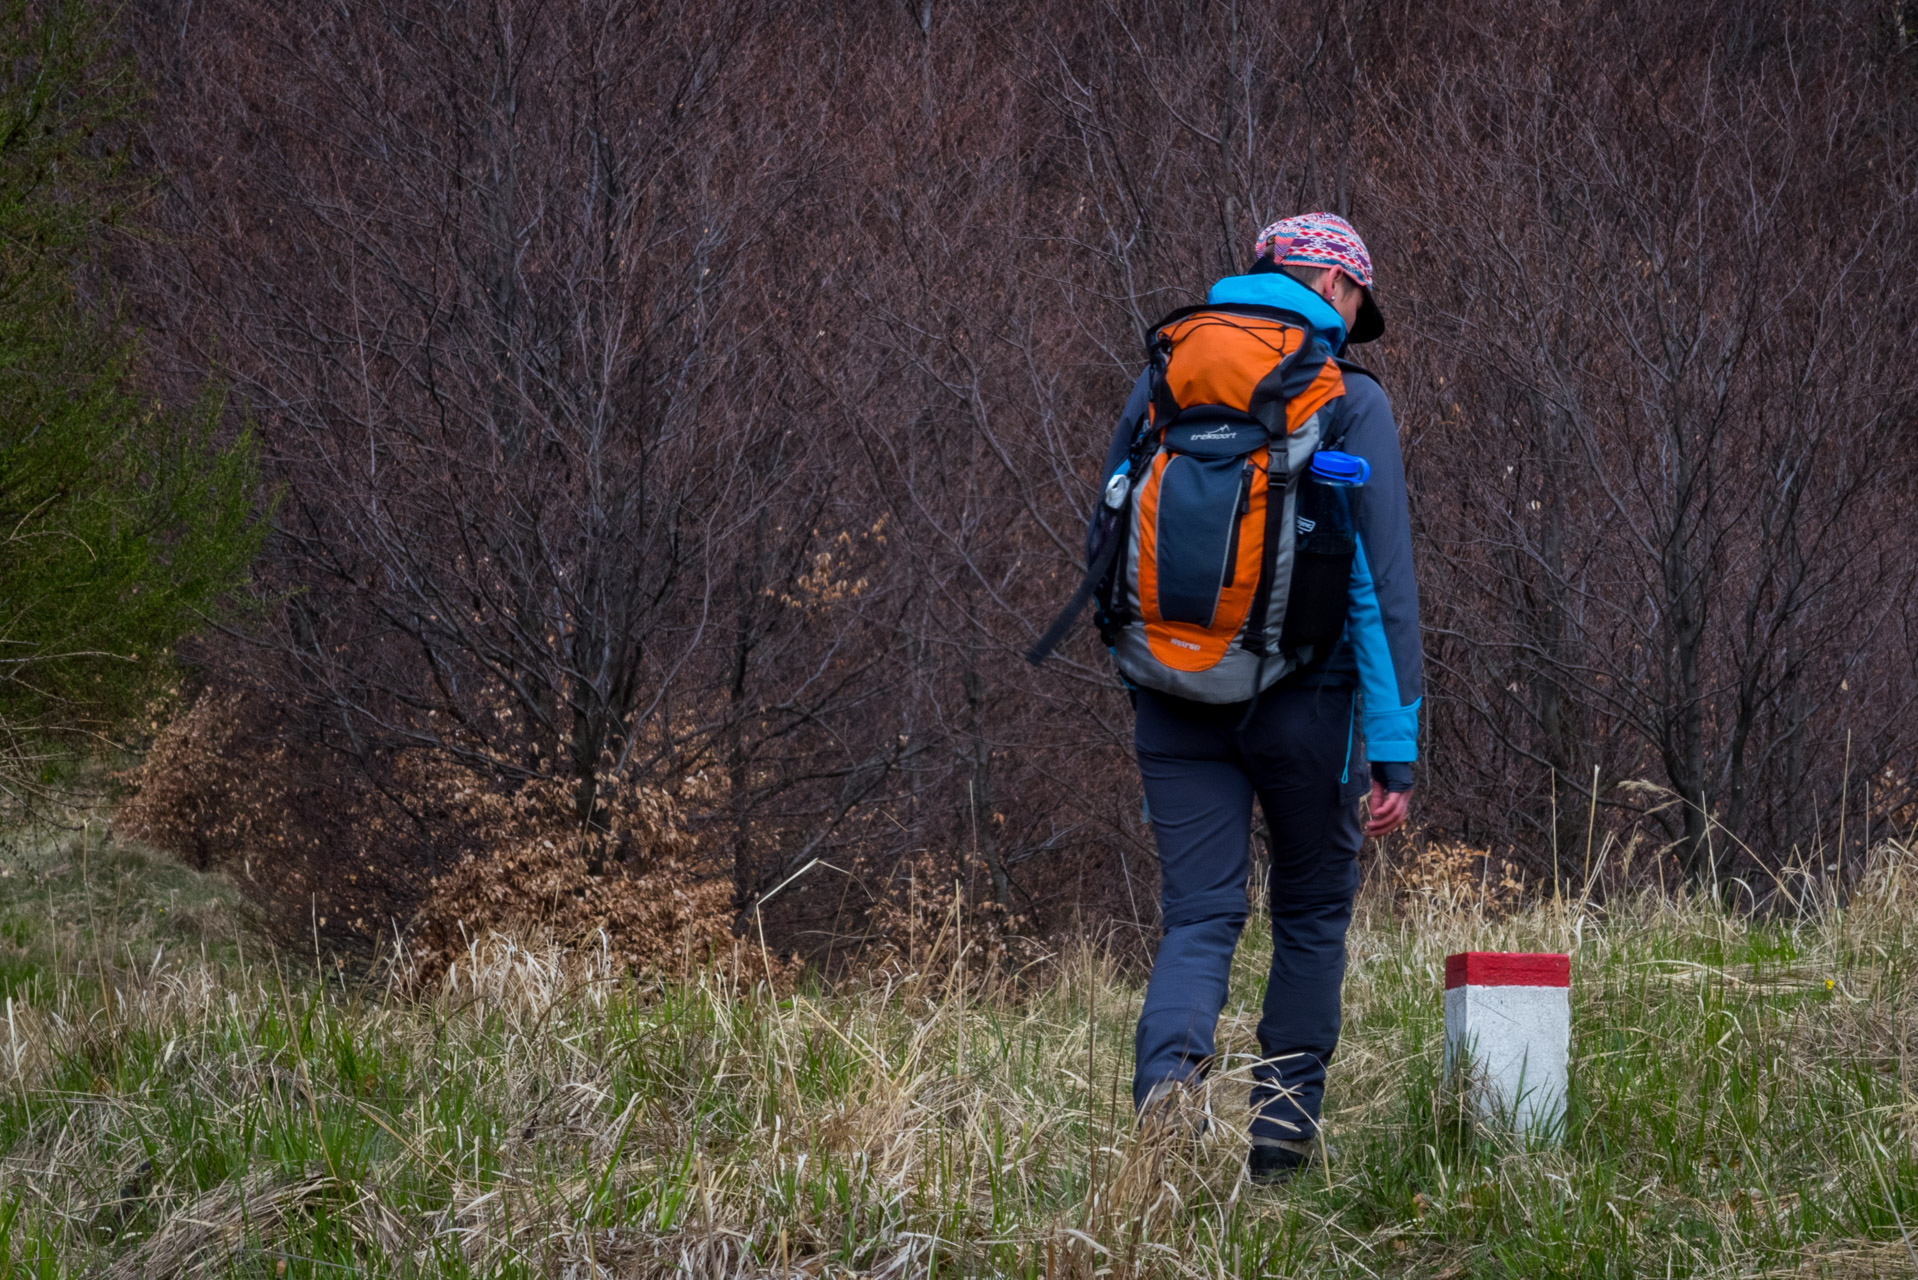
x: 213, y: 1110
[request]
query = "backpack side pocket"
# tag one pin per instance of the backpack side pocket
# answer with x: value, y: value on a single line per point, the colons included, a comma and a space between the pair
x: 1325, y: 546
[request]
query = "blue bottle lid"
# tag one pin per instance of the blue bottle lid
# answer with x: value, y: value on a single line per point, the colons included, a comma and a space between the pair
x: 1329, y: 466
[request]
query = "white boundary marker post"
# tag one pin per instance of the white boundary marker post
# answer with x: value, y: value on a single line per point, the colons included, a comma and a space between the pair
x: 1509, y: 1014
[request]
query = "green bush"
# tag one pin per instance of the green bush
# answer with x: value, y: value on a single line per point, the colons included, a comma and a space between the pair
x: 123, y: 521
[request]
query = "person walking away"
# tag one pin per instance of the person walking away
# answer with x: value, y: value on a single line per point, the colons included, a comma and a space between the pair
x: 1268, y: 656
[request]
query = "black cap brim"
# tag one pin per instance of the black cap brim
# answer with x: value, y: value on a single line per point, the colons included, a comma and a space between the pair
x: 1371, y: 321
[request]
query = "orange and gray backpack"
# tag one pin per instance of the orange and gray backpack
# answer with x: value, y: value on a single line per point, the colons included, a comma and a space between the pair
x: 1221, y: 554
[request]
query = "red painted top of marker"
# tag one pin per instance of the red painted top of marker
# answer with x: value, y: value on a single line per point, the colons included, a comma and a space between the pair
x: 1507, y: 969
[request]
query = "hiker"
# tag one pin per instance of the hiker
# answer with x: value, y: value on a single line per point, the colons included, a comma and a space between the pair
x: 1265, y: 656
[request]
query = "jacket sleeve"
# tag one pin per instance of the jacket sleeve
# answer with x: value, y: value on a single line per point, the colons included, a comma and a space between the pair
x: 1129, y: 419
x: 1383, y: 624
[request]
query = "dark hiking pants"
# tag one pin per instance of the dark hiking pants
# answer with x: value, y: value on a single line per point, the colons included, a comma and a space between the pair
x: 1298, y: 753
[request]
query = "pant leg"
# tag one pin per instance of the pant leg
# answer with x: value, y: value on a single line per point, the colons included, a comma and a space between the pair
x: 1200, y: 802
x: 1303, y: 758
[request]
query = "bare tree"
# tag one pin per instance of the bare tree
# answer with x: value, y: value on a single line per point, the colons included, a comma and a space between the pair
x: 1662, y: 393
x: 665, y: 391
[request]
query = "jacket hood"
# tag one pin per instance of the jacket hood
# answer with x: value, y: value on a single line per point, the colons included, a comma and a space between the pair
x: 1276, y: 289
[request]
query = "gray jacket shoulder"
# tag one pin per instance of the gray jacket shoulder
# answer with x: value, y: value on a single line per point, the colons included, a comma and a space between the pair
x: 1365, y: 411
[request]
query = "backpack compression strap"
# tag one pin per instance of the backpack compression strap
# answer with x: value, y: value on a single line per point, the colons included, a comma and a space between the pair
x: 1111, y: 534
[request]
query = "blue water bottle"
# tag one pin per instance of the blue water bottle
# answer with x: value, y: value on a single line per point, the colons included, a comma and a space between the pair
x: 1323, y: 552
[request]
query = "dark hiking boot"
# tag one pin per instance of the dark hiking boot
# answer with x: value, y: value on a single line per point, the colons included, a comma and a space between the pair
x: 1275, y: 1162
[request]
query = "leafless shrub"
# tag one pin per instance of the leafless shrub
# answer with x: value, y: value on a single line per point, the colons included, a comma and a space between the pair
x: 665, y: 391
x: 630, y: 883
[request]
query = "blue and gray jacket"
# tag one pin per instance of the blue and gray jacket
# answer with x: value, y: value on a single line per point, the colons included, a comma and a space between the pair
x: 1380, y: 653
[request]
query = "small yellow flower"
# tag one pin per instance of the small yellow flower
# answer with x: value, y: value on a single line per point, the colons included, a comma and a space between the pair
x: 1831, y: 985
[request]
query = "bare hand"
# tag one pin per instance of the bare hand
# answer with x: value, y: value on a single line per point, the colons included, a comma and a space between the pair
x: 1387, y: 810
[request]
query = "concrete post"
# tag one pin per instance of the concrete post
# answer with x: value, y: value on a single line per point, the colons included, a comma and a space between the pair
x: 1509, y: 1014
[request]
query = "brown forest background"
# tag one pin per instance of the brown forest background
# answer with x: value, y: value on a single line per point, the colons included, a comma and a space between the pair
x: 681, y: 416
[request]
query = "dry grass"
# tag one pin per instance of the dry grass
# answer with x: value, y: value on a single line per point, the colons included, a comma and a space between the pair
x: 1742, y: 1106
